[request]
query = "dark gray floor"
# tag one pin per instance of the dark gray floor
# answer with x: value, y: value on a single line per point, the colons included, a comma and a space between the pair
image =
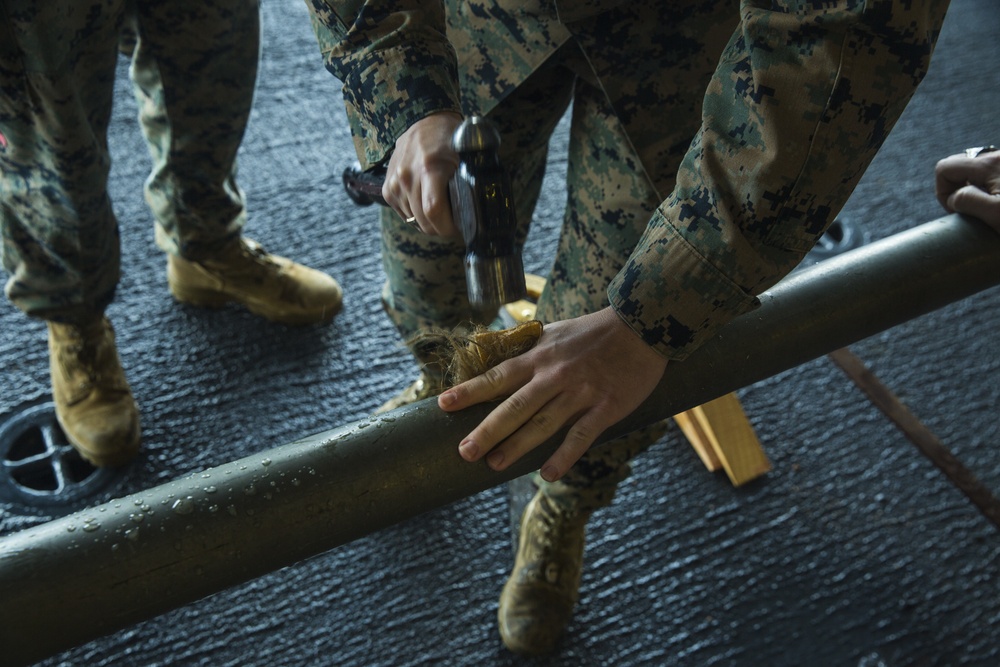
x: 854, y: 550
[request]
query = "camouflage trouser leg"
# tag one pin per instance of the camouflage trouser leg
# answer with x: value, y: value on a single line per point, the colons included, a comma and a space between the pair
x: 611, y: 196
x: 609, y: 202
x: 194, y: 66
x: 426, y: 283
x: 609, y: 205
x: 60, y: 239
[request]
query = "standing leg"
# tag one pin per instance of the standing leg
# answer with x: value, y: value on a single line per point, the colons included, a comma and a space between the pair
x: 60, y: 236
x: 610, y: 203
x: 425, y: 284
x: 194, y: 69
x: 615, y: 180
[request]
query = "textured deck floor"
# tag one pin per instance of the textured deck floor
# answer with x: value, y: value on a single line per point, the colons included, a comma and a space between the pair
x: 854, y: 550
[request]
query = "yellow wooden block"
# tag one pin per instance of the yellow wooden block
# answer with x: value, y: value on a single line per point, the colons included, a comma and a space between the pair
x: 730, y: 435
x: 699, y: 441
x: 535, y: 285
x: 524, y: 309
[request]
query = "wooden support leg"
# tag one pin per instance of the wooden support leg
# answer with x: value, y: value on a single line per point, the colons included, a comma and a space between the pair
x: 723, y: 437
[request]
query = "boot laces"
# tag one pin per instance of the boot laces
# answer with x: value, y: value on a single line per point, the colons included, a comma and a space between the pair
x: 256, y: 253
x: 82, y: 354
x: 261, y: 267
x: 554, y: 541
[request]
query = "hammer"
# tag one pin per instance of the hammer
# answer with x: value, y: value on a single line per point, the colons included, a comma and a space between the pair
x: 481, y: 206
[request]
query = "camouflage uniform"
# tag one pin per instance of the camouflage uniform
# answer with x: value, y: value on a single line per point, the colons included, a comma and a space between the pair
x: 711, y: 145
x: 193, y: 64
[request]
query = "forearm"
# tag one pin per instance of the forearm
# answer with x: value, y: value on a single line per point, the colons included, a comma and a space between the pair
x: 796, y: 111
x: 395, y: 63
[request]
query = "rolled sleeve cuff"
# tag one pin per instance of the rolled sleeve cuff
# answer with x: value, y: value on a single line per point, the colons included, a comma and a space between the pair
x: 671, y: 296
x: 383, y: 98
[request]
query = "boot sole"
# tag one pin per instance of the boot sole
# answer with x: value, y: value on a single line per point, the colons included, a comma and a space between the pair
x: 213, y: 299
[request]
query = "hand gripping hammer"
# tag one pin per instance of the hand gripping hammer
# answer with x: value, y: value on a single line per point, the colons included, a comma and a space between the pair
x: 482, y: 208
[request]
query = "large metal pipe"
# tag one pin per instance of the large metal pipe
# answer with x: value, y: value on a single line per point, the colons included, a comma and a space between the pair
x: 77, y: 578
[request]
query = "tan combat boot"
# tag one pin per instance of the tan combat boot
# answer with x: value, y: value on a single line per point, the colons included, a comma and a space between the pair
x: 94, y: 405
x: 538, y: 598
x: 273, y: 287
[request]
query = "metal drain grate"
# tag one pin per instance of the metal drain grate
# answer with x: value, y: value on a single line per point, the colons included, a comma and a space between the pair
x: 39, y: 468
x: 841, y: 236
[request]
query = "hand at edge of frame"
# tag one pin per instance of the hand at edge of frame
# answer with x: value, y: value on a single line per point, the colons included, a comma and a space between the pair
x: 970, y: 185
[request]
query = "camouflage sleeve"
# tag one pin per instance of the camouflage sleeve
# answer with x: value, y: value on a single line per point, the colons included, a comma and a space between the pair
x: 801, y: 101
x: 394, y: 61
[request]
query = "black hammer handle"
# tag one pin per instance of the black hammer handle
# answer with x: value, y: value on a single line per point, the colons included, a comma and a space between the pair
x: 364, y: 187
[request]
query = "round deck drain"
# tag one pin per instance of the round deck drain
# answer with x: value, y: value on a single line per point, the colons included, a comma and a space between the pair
x: 840, y: 236
x: 39, y: 468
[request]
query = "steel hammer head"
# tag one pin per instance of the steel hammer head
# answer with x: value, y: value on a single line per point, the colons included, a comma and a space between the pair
x: 483, y: 209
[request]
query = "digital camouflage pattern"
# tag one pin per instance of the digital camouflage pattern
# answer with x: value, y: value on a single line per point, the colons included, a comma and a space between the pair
x: 712, y: 143
x: 194, y: 65
x: 800, y: 95
x: 385, y: 53
x: 804, y: 96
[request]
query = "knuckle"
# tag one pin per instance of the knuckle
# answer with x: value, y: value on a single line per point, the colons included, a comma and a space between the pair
x: 582, y: 435
x: 579, y: 436
x: 485, y: 433
x: 563, y: 375
x: 515, y: 404
x: 494, y: 377
x: 543, y: 422
x: 436, y: 207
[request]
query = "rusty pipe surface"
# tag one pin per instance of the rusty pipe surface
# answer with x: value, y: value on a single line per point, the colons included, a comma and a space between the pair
x: 74, y: 579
